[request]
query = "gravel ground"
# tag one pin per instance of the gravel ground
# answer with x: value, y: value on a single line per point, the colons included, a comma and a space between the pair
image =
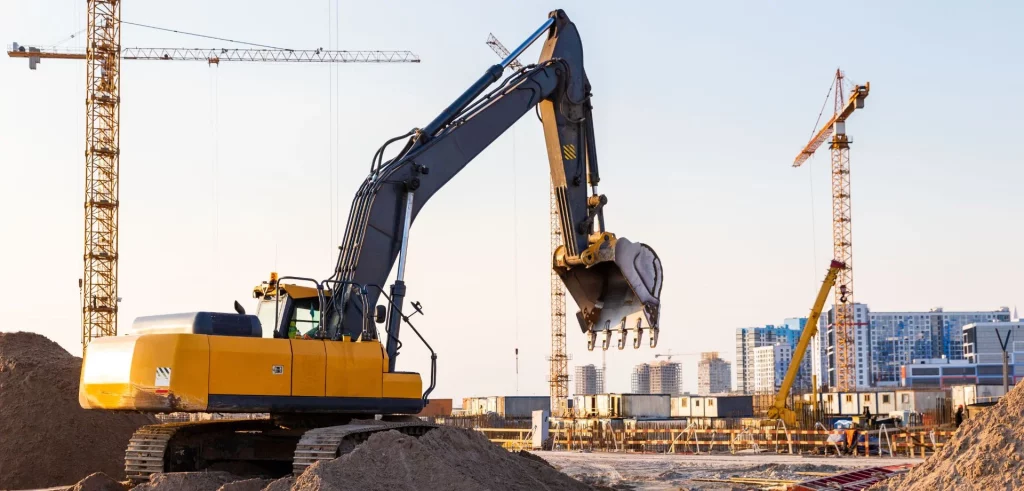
x: 663, y: 472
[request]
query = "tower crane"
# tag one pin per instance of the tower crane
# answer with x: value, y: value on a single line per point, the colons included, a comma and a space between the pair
x: 103, y: 55
x: 844, y: 323
x: 558, y: 373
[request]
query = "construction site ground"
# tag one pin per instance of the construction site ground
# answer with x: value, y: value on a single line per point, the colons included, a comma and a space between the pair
x: 675, y: 471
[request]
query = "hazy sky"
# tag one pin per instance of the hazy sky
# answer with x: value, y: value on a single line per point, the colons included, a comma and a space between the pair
x: 227, y: 172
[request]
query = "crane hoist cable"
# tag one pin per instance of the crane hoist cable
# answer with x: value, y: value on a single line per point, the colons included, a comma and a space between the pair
x: 136, y: 24
x: 810, y: 178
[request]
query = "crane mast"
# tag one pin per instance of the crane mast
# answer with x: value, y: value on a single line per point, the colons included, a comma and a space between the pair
x: 844, y: 323
x: 102, y: 152
x: 103, y: 55
x: 558, y: 361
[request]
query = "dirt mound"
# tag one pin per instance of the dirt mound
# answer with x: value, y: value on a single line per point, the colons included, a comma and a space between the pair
x: 254, y: 484
x: 985, y: 453
x: 475, y: 456
x: 283, y: 484
x: 191, y: 481
x: 445, y: 459
x: 98, y: 482
x: 386, y: 461
x: 46, y: 439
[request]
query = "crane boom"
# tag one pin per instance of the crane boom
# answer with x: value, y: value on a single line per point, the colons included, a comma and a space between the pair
x: 778, y: 409
x: 216, y: 55
x: 856, y: 101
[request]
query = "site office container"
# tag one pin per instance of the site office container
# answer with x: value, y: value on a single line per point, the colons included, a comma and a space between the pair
x: 644, y: 406
x: 474, y: 406
x: 867, y: 400
x: 505, y: 406
x: 886, y: 402
x: 967, y: 395
x: 919, y: 401
x: 585, y: 406
x: 830, y: 402
x: 681, y: 406
x: 520, y: 406
x: 729, y: 407
x: 849, y: 403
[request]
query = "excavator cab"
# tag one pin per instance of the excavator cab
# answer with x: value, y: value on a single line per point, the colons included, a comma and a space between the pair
x: 288, y: 311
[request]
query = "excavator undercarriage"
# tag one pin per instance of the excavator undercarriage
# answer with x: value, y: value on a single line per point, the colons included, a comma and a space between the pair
x: 250, y: 446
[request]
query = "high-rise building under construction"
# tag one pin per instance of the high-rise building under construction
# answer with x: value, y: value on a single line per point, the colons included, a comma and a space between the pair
x: 589, y: 379
x: 661, y: 377
x: 714, y: 375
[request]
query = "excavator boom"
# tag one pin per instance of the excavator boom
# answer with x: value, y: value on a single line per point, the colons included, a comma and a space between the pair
x: 616, y: 283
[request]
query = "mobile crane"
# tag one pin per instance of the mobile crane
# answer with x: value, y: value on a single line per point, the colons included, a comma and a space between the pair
x: 778, y: 409
x: 315, y: 386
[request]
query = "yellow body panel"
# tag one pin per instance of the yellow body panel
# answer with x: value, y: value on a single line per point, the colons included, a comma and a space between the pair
x: 309, y: 360
x: 145, y: 372
x: 354, y: 369
x: 197, y: 372
x: 250, y: 366
x: 403, y: 385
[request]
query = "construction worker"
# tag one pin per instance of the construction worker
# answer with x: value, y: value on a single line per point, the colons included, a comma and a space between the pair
x: 958, y: 418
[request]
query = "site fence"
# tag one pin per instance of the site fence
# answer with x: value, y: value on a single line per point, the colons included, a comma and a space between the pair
x: 896, y: 442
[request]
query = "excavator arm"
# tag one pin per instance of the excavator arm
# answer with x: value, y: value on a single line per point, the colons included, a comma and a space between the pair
x: 616, y: 283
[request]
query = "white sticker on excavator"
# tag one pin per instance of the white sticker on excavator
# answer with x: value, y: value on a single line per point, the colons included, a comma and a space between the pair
x: 163, y: 377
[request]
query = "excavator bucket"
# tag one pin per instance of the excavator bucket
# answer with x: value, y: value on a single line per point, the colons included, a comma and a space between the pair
x: 618, y: 291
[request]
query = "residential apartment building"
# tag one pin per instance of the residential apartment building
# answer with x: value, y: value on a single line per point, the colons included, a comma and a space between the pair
x: 748, y: 338
x: 898, y: 338
x: 770, y: 366
x: 981, y: 342
x: 714, y: 375
x: 886, y: 341
x: 862, y: 349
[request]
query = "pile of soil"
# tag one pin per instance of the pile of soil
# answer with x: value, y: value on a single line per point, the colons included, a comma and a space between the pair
x: 98, y: 482
x: 446, y: 458
x: 46, y: 438
x: 192, y: 481
x: 987, y: 452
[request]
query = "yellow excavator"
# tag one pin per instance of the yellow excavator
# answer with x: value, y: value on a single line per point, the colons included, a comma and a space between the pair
x: 778, y: 409
x: 312, y: 357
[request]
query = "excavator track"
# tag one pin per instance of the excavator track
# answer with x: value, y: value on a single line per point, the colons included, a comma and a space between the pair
x: 195, y: 446
x: 150, y: 449
x: 332, y: 441
x: 145, y: 453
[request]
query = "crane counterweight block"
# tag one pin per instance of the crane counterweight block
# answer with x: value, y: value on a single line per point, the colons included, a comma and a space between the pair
x: 618, y: 290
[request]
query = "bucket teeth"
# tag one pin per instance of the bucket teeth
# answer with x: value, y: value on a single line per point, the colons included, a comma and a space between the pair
x: 619, y: 291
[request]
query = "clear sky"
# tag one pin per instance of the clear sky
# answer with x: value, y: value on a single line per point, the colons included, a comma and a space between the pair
x: 230, y: 172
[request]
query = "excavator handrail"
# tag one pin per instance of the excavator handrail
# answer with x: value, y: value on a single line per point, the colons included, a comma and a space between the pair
x: 405, y: 318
